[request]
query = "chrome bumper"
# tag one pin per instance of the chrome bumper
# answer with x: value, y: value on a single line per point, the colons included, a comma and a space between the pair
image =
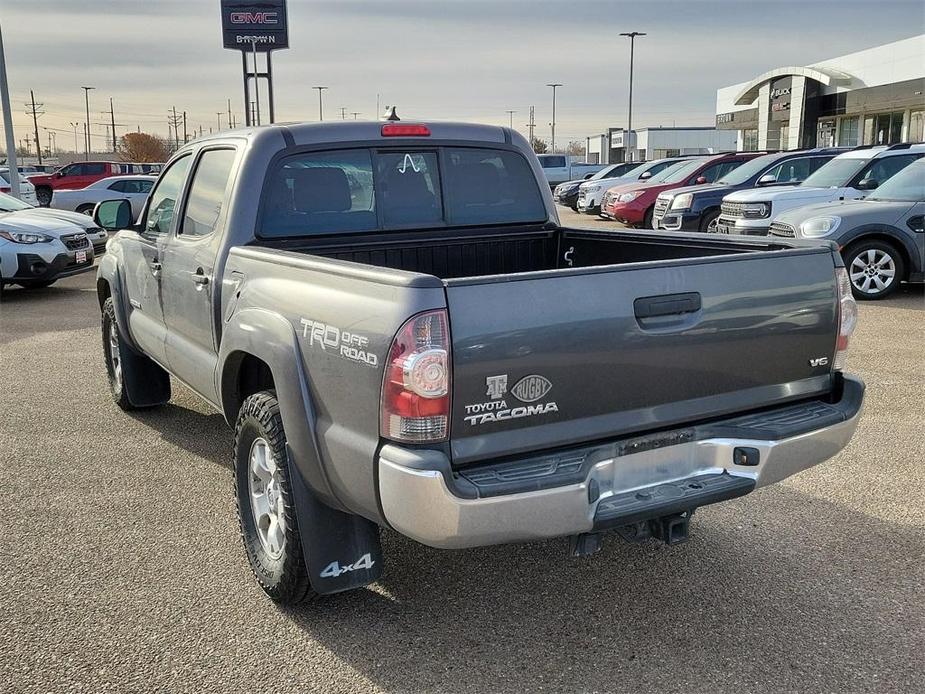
x: 418, y: 503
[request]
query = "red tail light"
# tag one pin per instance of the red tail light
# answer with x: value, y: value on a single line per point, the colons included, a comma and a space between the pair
x: 5, y: 189
x: 416, y: 385
x: 847, y: 317
x: 405, y: 130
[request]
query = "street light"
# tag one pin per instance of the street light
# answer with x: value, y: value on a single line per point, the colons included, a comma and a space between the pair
x: 553, y: 124
x: 320, y: 107
x: 511, y: 114
x: 87, y: 100
x: 76, y: 146
x: 629, y: 121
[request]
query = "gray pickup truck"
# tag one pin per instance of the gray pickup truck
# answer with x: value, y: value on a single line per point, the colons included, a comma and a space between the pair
x: 402, y: 335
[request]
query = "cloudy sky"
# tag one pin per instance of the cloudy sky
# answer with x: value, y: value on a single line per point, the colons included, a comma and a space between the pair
x: 444, y: 59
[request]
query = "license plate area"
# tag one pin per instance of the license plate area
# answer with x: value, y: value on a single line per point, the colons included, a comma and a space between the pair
x: 80, y: 257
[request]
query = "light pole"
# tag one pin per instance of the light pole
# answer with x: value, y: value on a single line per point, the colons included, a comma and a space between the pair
x: 629, y: 120
x: 75, y: 126
x: 553, y: 124
x: 511, y: 115
x: 87, y: 101
x: 320, y: 106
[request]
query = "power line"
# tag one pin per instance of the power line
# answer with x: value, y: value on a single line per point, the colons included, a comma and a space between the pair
x: 35, y: 110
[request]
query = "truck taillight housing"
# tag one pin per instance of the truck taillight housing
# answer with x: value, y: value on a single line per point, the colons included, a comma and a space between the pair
x: 416, y: 385
x: 847, y: 317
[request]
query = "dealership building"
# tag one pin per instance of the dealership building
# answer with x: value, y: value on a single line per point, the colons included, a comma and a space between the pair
x: 872, y: 97
x: 616, y: 144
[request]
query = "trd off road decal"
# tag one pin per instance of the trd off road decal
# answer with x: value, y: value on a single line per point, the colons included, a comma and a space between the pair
x: 341, y: 343
x: 528, y: 390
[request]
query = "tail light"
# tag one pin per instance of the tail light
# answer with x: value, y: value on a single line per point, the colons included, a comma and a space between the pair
x: 416, y: 385
x: 5, y: 189
x: 847, y: 317
x: 405, y: 130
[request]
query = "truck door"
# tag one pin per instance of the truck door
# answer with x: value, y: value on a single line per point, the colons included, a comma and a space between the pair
x: 188, y: 285
x: 143, y: 253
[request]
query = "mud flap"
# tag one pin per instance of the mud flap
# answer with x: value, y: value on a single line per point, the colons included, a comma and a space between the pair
x: 342, y: 550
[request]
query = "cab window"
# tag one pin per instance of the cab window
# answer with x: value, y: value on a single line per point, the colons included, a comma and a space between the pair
x: 164, y: 197
x: 207, y: 192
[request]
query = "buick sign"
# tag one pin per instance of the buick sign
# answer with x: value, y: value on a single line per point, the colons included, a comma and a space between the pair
x: 531, y: 388
x: 260, y: 24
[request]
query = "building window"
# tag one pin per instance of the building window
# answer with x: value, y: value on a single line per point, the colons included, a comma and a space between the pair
x: 750, y: 140
x: 916, y: 126
x: 663, y: 153
x: 883, y: 128
x: 848, y: 131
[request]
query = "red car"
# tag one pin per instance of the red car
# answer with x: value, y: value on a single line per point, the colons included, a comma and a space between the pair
x: 81, y: 174
x: 633, y: 204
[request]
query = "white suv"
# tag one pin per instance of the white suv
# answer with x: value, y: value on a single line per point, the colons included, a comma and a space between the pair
x: 591, y: 193
x: 848, y: 176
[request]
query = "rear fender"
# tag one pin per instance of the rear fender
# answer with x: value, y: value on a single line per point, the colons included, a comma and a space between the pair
x: 898, y: 238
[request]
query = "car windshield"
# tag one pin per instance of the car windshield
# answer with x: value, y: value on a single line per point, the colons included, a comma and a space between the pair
x: 906, y: 186
x: 741, y: 174
x: 835, y: 173
x: 609, y: 172
x: 676, y: 173
x: 10, y: 204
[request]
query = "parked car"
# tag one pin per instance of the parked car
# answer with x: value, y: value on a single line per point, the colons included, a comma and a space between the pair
x: 559, y: 168
x: 567, y: 193
x: 26, y: 189
x: 97, y: 235
x: 591, y: 193
x: 881, y: 237
x: 696, y: 208
x: 36, y: 252
x: 848, y: 176
x: 82, y: 174
x: 308, y: 281
x: 135, y: 189
x: 634, y: 205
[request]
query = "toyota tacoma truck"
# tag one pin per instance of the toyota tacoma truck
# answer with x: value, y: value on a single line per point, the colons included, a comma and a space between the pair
x: 401, y: 335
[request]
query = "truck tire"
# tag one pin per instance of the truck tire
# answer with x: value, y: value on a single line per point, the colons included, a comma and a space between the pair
x: 647, y: 219
x: 876, y: 268
x: 135, y: 381
x: 708, y: 223
x: 43, y: 195
x: 264, y: 501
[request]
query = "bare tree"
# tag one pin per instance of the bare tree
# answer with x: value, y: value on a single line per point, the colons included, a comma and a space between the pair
x: 539, y: 146
x: 142, y: 147
x: 576, y: 148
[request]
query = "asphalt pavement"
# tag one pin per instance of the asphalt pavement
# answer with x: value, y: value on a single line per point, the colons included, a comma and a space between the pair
x: 121, y: 569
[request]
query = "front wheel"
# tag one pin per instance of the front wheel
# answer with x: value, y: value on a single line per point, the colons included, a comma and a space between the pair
x: 43, y: 195
x: 266, y: 511
x: 875, y: 268
x: 710, y: 220
x: 85, y: 209
x: 135, y: 381
x: 647, y: 218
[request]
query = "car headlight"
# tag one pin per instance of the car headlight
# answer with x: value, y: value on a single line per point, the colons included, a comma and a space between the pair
x: 819, y: 226
x: 25, y: 237
x: 682, y: 202
x: 756, y: 210
x: 590, y: 189
x: 629, y: 197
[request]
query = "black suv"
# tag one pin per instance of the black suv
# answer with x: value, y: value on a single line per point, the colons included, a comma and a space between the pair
x: 696, y: 208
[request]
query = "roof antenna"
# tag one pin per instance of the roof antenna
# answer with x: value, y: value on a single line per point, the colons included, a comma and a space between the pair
x: 390, y: 114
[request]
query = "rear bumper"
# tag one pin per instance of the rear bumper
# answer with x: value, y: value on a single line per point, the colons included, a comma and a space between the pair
x: 611, y: 484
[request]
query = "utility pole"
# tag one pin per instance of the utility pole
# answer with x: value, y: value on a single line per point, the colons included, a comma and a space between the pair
x: 87, y: 126
x: 75, y: 126
x: 8, y: 124
x: 185, y: 137
x: 320, y: 104
x: 554, y: 85
x: 175, y: 122
x: 343, y: 113
x: 112, y: 120
x: 35, y: 110
x: 230, y: 119
x: 531, y: 125
x: 219, y: 117
x: 630, y: 139
x: 355, y: 114
x: 511, y: 115
x: 52, y: 137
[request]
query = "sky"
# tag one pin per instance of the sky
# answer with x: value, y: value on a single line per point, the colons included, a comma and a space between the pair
x: 469, y: 60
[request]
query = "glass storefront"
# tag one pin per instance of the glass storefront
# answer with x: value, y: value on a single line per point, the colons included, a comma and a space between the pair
x: 883, y: 128
x: 750, y: 140
x: 848, y: 129
x: 916, y: 127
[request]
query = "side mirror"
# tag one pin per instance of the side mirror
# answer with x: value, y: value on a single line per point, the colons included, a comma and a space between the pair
x: 113, y: 215
x: 867, y: 184
x: 644, y: 175
x: 587, y: 176
x: 701, y: 180
x: 767, y: 180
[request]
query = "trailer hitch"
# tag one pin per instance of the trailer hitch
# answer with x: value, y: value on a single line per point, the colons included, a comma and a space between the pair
x: 672, y: 530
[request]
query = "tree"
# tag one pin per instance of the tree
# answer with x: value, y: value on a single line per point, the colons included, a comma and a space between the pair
x: 142, y: 147
x: 539, y: 146
x: 576, y: 148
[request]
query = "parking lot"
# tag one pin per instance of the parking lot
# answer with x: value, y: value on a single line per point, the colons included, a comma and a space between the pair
x: 121, y: 568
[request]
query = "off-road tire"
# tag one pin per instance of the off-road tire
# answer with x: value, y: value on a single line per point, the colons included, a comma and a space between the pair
x: 285, y: 578
x: 143, y: 383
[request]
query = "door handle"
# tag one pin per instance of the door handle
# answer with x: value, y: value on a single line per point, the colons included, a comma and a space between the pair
x: 155, y: 268
x: 667, y: 305
x: 200, y: 278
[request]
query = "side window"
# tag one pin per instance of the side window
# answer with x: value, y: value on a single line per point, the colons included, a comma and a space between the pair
x: 552, y: 162
x: 882, y: 169
x: 93, y: 169
x: 72, y: 170
x: 164, y: 197
x: 715, y: 171
x: 207, y: 192
x: 658, y: 167
x: 791, y: 171
x: 118, y: 186
x: 320, y: 193
x: 816, y: 162
x: 409, y: 187
x: 145, y: 186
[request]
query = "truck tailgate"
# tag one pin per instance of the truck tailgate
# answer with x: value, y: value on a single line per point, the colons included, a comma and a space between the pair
x: 552, y: 358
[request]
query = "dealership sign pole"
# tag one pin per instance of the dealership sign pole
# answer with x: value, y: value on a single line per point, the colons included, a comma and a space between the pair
x: 258, y: 26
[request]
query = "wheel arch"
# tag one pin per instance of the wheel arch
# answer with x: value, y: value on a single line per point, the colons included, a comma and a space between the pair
x: 883, y: 235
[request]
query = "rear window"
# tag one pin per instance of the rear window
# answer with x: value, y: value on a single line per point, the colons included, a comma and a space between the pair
x: 552, y: 162
x: 317, y: 193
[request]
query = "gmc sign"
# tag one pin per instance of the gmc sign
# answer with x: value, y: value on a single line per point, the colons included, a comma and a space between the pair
x: 259, y: 23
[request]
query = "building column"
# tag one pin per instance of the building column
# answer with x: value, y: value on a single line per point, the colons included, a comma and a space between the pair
x: 764, y: 114
x: 797, y: 101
